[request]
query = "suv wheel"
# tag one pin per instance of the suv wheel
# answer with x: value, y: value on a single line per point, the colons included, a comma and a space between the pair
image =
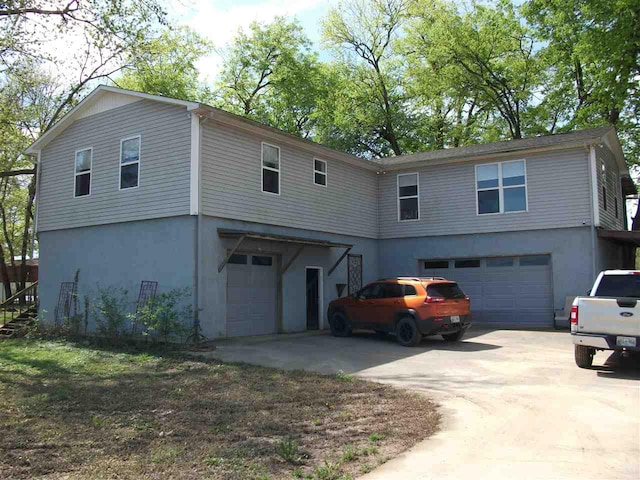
x: 454, y: 337
x: 407, y: 332
x: 584, y: 356
x: 339, y: 325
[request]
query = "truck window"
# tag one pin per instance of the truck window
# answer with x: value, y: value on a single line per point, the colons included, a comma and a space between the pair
x: 619, y: 286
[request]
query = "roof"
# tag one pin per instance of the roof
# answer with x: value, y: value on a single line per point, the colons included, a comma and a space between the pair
x: 599, y: 135
x: 629, y: 237
x: 227, y: 233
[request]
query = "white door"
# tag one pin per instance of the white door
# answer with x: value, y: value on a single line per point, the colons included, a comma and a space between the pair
x: 251, y: 295
x: 503, y: 290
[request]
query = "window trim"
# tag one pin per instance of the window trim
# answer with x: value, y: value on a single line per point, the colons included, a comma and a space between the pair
x: 325, y: 173
x: 122, y: 140
x: 416, y: 196
x: 501, y: 188
x: 278, y: 170
x: 75, y: 174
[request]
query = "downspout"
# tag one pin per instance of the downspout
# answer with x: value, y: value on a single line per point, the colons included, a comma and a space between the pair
x: 595, y: 209
x: 37, y: 201
x: 195, y: 210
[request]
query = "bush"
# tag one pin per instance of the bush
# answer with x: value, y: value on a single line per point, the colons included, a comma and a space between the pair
x: 109, y: 310
x: 288, y: 450
x: 164, y: 316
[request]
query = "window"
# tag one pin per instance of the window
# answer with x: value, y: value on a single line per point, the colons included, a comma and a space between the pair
x: 470, y: 263
x: 408, y: 197
x: 319, y: 172
x: 619, y: 286
x: 410, y: 290
x: 429, y: 264
x: 445, y: 290
x: 129, y: 162
x: 534, y: 261
x: 393, y: 290
x: 372, y: 291
x: 270, y: 169
x: 84, y: 159
x: 615, y: 204
x: 604, y: 197
x: 262, y: 261
x: 500, y: 262
x: 501, y: 187
x: 238, y: 259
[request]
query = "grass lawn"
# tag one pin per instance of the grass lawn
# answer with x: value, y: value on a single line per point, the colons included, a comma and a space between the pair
x: 73, y: 411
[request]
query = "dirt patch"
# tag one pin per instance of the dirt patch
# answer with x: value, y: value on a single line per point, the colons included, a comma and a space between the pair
x: 74, y: 412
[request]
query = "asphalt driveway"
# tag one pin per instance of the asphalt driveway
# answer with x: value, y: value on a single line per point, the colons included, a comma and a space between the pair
x: 513, y: 402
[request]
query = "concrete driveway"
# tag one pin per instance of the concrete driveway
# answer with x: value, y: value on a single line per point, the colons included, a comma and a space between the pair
x: 514, y: 404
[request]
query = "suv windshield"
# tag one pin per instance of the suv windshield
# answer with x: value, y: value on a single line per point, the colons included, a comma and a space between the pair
x: 445, y: 290
x: 619, y: 286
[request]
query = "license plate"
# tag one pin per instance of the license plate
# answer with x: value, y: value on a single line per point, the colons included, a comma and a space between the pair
x: 626, y: 341
x: 456, y: 319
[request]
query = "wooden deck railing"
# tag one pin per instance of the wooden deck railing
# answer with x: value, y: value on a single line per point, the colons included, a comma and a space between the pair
x: 19, y: 303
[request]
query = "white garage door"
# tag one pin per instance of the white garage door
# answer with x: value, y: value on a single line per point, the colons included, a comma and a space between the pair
x: 503, y: 290
x: 251, y: 295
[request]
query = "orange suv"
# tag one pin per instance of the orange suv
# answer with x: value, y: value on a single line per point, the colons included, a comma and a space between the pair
x: 407, y: 306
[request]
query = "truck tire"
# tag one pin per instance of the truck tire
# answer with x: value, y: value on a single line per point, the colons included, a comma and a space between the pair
x: 584, y: 356
x: 339, y: 325
x: 407, y: 333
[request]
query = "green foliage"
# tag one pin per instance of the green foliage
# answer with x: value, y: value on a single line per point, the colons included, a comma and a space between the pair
x: 166, y: 65
x: 288, y: 450
x: 375, y: 438
x: 166, y: 315
x: 328, y: 471
x: 110, y: 311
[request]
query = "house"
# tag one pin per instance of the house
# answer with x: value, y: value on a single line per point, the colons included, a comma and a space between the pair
x: 267, y: 228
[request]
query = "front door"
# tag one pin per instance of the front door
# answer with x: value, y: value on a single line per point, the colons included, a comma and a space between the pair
x: 313, y: 298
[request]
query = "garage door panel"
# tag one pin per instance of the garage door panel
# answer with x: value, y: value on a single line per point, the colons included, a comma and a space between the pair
x: 504, y: 292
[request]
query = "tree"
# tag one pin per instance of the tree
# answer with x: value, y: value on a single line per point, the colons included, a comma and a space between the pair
x: 270, y: 74
x: 363, y: 33
x: 166, y: 65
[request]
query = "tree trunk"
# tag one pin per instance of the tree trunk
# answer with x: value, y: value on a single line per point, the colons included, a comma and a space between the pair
x: 4, y: 274
x: 27, y: 232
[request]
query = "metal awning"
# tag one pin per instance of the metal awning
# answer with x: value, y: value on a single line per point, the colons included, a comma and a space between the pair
x: 242, y: 235
x: 621, y: 236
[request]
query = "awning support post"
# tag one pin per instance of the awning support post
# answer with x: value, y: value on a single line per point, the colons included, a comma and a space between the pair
x: 233, y: 250
x: 292, y: 259
x: 346, y: 252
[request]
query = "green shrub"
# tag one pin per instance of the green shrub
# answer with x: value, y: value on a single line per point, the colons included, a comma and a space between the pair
x: 109, y: 310
x: 163, y: 316
x: 288, y: 450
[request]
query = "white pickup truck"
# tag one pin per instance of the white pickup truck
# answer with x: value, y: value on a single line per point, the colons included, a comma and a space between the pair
x: 609, y: 318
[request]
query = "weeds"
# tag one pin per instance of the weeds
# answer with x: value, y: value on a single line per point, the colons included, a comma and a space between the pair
x: 288, y: 450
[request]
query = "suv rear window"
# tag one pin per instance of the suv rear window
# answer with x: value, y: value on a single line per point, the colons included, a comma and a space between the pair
x: 445, y: 290
x: 619, y: 286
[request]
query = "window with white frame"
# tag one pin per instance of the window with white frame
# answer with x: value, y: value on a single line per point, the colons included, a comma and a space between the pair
x: 129, y: 162
x: 319, y: 172
x: 501, y: 187
x: 270, y: 169
x: 82, y: 180
x: 408, y: 197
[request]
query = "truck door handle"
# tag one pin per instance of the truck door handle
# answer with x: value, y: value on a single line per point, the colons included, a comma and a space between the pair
x: 627, y: 302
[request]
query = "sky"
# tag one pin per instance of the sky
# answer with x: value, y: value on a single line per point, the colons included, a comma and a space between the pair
x: 220, y: 20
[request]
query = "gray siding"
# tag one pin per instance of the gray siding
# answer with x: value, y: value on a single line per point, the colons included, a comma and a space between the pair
x: 164, y: 168
x: 611, y: 180
x: 231, y: 187
x: 557, y: 190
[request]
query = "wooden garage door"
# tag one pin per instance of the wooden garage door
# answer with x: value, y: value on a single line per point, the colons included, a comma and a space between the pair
x: 503, y: 290
x: 251, y: 295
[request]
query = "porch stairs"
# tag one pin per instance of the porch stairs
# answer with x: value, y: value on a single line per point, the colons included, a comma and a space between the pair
x: 19, y: 312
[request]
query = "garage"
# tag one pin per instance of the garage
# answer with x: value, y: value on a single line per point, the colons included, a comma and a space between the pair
x: 503, y: 290
x: 251, y: 294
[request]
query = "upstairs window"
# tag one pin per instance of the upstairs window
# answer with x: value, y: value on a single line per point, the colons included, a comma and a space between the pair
x: 501, y: 187
x: 604, y: 197
x: 270, y: 169
x: 408, y: 197
x: 84, y: 159
x: 319, y: 172
x: 129, y: 162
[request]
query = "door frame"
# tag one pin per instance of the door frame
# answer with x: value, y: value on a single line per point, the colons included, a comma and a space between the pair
x: 320, y: 293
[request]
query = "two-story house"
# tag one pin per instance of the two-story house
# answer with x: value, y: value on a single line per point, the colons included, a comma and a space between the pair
x: 266, y: 228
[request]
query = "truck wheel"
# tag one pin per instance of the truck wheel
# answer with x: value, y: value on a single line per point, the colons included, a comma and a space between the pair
x: 339, y: 325
x: 407, y: 332
x: 584, y: 356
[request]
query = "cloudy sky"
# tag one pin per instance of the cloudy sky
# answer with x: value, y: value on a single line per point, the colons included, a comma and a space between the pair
x: 219, y: 20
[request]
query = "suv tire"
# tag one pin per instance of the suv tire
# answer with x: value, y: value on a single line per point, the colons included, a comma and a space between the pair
x: 584, y: 356
x: 454, y: 337
x: 407, y: 332
x: 339, y: 325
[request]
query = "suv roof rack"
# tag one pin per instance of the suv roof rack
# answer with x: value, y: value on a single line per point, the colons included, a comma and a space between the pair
x: 415, y: 279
